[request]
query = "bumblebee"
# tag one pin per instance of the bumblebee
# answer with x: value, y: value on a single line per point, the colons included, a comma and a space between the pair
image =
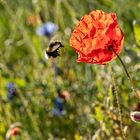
x: 52, y: 50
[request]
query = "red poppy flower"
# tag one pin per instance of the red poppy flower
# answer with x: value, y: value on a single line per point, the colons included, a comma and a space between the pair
x: 15, y: 131
x: 94, y: 36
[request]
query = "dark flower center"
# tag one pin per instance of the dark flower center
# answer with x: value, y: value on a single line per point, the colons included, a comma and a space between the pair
x: 110, y: 47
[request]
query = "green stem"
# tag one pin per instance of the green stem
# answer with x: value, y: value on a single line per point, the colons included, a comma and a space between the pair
x: 118, y: 102
x: 127, y: 73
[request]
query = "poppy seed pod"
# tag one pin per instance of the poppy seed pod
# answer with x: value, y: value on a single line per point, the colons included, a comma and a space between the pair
x: 95, y: 35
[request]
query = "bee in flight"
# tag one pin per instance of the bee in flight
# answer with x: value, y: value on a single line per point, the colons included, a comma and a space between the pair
x: 52, y: 50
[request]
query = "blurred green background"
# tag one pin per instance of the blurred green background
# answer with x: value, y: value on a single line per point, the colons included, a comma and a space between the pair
x: 90, y: 111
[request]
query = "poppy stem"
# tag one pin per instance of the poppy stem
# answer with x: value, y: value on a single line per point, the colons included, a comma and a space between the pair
x: 118, y: 102
x: 127, y: 73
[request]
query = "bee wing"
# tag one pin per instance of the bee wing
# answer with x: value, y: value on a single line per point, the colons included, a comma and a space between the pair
x: 46, y: 56
x: 57, y: 46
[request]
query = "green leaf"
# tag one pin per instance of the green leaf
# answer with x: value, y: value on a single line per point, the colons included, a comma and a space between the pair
x: 20, y: 82
x: 136, y: 27
x: 99, y: 113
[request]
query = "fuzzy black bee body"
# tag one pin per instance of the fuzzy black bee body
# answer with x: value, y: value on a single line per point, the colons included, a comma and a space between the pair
x: 52, y: 50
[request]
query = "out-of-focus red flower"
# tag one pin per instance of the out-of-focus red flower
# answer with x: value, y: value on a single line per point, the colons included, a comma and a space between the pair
x: 94, y: 35
x: 33, y: 19
x: 15, y: 131
x: 65, y: 95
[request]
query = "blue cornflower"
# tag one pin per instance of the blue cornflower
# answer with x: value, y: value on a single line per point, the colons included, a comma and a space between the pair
x: 59, y: 104
x: 10, y: 85
x: 11, y: 91
x: 47, y: 29
x: 57, y: 112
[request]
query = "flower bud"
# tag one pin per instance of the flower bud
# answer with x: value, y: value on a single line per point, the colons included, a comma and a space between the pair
x: 135, y: 116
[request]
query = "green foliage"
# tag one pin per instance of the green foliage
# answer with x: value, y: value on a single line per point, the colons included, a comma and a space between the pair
x: 91, y: 111
x: 136, y: 27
